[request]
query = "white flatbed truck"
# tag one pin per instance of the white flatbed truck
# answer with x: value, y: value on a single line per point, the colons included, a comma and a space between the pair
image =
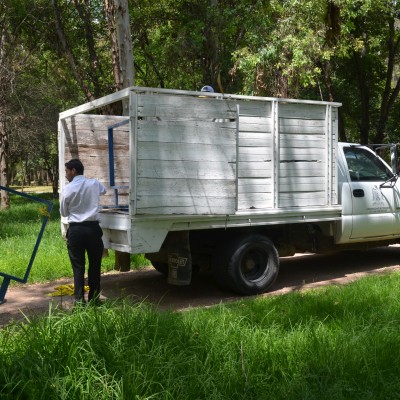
x: 232, y: 183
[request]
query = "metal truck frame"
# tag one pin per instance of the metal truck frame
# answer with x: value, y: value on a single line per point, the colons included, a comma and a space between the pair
x: 208, y: 180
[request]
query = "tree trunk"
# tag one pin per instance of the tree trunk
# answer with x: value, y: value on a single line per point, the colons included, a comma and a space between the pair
x: 117, y: 13
x: 4, y: 79
x: 5, y: 201
x: 389, y: 95
x: 363, y: 86
x: 124, y: 40
x: 77, y: 73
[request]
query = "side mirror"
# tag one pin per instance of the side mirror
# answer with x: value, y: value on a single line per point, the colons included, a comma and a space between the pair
x: 378, y: 148
x: 393, y: 158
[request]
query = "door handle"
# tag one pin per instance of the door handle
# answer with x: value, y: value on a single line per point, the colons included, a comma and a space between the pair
x: 358, y: 193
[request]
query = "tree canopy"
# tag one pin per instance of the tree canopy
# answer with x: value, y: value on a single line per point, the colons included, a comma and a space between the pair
x: 54, y: 55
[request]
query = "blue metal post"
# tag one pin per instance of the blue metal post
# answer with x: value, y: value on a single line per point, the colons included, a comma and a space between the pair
x: 111, y: 158
x: 8, y: 277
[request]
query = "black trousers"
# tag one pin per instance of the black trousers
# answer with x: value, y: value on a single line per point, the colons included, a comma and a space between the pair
x: 82, y: 238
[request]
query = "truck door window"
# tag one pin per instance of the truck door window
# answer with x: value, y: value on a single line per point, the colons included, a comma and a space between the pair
x: 365, y: 166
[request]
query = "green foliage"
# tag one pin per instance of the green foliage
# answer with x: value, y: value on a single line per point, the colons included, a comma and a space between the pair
x: 19, y: 230
x: 337, y: 50
x: 335, y: 342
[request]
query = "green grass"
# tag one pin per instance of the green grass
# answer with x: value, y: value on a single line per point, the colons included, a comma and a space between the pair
x: 330, y: 343
x: 19, y: 229
x: 338, y: 342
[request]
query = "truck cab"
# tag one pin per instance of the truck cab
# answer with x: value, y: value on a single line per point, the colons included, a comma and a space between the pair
x: 369, y: 194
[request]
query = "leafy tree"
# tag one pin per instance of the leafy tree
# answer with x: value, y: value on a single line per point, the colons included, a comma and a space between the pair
x: 342, y: 50
x: 13, y: 58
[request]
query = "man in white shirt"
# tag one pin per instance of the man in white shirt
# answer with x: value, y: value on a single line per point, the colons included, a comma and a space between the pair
x: 79, y: 204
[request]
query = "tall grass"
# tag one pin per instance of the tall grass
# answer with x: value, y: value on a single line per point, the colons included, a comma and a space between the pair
x: 331, y: 343
x: 19, y: 229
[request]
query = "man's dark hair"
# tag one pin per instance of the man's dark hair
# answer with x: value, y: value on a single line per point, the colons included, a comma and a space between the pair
x: 75, y: 163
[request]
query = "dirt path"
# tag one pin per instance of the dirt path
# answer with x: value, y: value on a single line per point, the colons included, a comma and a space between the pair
x: 296, y: 273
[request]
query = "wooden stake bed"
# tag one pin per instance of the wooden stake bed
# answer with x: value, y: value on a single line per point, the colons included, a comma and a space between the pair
x: 189, y: 160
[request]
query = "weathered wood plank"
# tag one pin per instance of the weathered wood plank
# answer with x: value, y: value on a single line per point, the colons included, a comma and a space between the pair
x: 195, y: 132
x: 255, y: 201
x: 254, y: 139
x: 184, y: 107
x: 302, y: 199
x: 94, y: 122
x: 262, y: 169
x: 185, y: 188
x: 297, y: 141
x: 303, y: 184
x: 185, y: 151
x: 254, y: 185
x: 301, y: 154
x: 186, y: 169
x: 301, y: 187
x: 254, y: 108
x: 255, y: 124
x: 297, y: 126
x: 299, y: 169
x: 290, y: 110
x: 185, y: 205
x: 262, y: 153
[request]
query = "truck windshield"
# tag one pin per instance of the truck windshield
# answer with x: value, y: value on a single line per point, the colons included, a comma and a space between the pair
x: 365, y: 166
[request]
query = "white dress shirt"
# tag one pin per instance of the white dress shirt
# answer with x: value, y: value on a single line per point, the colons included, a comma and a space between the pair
x: 80, y: 199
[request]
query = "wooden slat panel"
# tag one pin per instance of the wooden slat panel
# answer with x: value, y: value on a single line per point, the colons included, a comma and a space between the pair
x: 254, y: 185
x: 186, y: 169
x: 298, y: 169
x: 304, y: 111
x: 298, y: 126
x: 261, y: 169
x: 255, y: 154
x: 95, y: 122
x: 317, y: 141
x: 177, y: 188
x: 301, y: 153
x: 86, y: 138
x: 255, y: 201
x: 187, y: 205
x: 254, y: 124
x: 307, y: 184
x: 184, y: 151
x: 195, y: 132
x: 302, y: 199
x: 255, y: 139
x: 258, y: 154
x: 254, y: 108
x: 183, y: 107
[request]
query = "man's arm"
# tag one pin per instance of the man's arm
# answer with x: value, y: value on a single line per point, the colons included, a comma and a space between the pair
x: 103, y: 190
x: 63, y: 205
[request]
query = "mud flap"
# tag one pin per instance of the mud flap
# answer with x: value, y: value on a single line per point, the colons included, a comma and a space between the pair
x: 179, y: 259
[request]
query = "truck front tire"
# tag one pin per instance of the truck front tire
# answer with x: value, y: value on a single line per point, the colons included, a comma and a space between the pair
x: 250, y: 265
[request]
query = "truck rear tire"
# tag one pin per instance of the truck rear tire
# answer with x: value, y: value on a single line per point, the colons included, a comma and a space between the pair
x: 251, y: 265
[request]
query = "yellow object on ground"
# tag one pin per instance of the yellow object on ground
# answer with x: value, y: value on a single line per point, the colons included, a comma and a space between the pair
x: 65, y: 290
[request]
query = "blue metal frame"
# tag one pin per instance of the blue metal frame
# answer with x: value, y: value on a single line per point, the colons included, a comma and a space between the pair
x: 7, y: 277
x: 111, y: 161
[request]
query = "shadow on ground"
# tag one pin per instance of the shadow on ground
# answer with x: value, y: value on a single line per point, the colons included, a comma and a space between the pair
x: 296, y: 273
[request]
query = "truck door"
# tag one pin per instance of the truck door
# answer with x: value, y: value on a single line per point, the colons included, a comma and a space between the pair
x: 374, y: 194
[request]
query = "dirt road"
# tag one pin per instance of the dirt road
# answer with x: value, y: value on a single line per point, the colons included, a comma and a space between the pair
x: 296, y: 273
